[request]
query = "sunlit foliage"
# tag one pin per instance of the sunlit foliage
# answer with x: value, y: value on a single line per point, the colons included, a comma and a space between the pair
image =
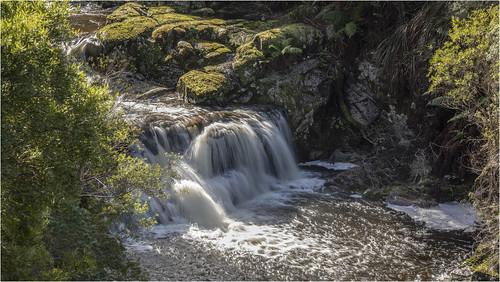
x: 66, y: 179
x: 464, y: 77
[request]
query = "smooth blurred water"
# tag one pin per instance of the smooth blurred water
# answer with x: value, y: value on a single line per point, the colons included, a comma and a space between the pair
x: 242, y: 209
x: 299, y: 234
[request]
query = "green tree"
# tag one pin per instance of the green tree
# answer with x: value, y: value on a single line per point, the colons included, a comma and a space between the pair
x: 66, y: 178
x: 463, y: 77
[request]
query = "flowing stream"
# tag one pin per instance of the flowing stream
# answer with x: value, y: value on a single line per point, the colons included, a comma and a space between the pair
x: 241, y: 208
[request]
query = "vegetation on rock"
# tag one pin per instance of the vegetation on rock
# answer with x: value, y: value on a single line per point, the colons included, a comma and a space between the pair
x: 202, y: 87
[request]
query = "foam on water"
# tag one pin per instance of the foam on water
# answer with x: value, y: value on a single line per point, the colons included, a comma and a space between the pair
x: 448, y: 216
x: 240, y: 195
x: 327, y: 165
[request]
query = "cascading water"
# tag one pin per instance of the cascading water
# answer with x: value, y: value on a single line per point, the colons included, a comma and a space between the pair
x: 240, y: 208
x: 226, y: 163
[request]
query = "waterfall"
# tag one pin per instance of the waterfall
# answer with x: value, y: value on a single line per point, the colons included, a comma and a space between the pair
x: 228, y: 160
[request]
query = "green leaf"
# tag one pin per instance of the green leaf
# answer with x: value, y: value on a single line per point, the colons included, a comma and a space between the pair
x: 350, y: 29
x: 336, y: 17
x: 457, y: 117
x: 440, y: 101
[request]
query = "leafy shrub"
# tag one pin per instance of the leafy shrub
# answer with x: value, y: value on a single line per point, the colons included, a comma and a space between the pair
x: 464, y: 77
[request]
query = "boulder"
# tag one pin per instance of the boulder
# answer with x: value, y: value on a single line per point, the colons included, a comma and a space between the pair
x: 301, y: 92
x: 246, y: 63
x: 300, y: 36
x: 199, y: 87
x: 212, y: 53
x: 360, y: 101
x: 212, y: 30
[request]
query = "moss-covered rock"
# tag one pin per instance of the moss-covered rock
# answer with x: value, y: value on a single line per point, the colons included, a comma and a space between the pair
x: 300, y: 36
x: 184, y: 56
x: 131, y: 10
x: 203, y: 12
x: 213, y: 30
x: 246, y: 63
x: 124, y: 12
x: 203, y: 88
x: 131, y: 28
x: 212, y: 53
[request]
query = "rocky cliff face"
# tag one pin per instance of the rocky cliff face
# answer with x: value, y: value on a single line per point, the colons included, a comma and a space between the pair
x: 212, y: 61
x: 333, y: 67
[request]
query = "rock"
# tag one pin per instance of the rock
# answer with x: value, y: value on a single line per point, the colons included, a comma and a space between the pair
x: 301, y: 92
x: 212, y: 53
x: 132, y: 20
x: 183, y: 57
x: 203, y: 12
x: 354, y: 180
x: 360, y: 101
x: 409, y: 196
x: 123, y: 12
x: 246, y: 63
x: 88, y: 49
x: 339, y: 156
x: 211, y: 30
x: 128, y: 36
x: 203, y: 88
x: 302, y: 36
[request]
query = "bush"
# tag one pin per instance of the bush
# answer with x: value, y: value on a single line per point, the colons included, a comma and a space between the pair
x: 464, y: 78
x: 65, y: 176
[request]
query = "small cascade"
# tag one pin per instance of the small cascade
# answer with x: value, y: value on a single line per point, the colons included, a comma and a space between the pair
x: 85, y: 47
x: 229, y: 158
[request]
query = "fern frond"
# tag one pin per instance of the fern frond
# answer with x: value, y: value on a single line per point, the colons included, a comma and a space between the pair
x: 291, y: 50
x: 350, y: 29
x: 272, y: 47
x: 335, y: 17
x: 287, y: 41
x: 457, y: 117
x: 440, y: 101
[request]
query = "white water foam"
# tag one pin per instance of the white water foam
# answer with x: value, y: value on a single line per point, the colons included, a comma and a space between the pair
x: 449, y: 216
x: 327, y: 165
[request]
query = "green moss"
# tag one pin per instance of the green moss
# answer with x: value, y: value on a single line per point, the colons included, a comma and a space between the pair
x: 124, y: 12
x: 483, y: 264
x: 210, y: 69
x: 192, y: 29
x: 161, y: 10
x: 173, y: 18
x: 131, y: 10
x: 125, y: 30
x: 302, y: 36
x: 247, y: 57
x: 203, y: 88
x: 203, y: 12
x: 212, y: 53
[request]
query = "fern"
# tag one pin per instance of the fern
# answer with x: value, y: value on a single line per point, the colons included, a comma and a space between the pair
x: 335, y: 17
x: 440, y: 101
x: 291, y: 50
x: 457, y: 117
x: 283, y: 48
x: 350, y: 29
